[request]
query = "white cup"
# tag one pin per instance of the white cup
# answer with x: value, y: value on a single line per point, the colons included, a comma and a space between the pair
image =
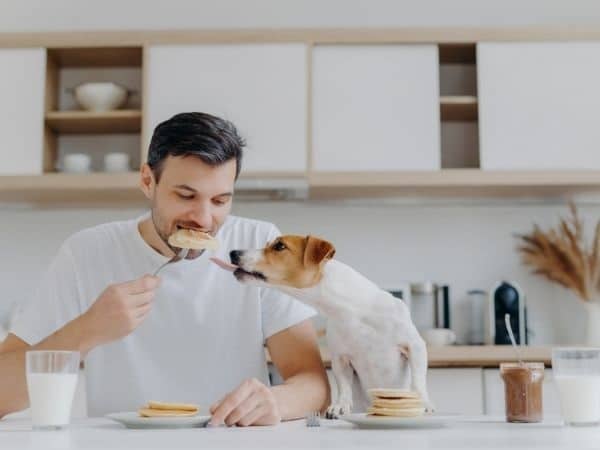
x: 76, y: 163
x: 51, y: 383
x: 437, y: 337
x: 116, y: 162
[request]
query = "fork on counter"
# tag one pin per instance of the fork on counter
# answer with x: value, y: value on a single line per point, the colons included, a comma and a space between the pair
x: 313, y: 419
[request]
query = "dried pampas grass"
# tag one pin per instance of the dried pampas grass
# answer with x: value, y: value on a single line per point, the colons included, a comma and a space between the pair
x: 561, y: 255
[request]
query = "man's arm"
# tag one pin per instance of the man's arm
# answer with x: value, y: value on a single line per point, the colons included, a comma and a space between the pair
x: 13, y: 388
x: 117, y: 312
x: 295, y: 353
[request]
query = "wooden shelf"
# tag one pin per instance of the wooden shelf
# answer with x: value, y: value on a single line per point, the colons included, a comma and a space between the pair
x: 116, y: 189
x: 458, y: 108
x: 419, y: 35
x: 453, y: 183
x: 89, y: 122
x: 100, y: 188
x: 112, y: 188
x: 96, y: 56
x: 457, y: 53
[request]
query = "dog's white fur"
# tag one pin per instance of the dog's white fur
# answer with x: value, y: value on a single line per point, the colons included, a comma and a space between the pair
x: 369, y: 332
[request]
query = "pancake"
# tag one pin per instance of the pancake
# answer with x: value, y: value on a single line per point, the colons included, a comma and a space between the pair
x: 392, y: 393
x: 192, y: 239
x: 390, y: 412
x: 172, y: 406
x: 147, y: 412
x: 403, y: 403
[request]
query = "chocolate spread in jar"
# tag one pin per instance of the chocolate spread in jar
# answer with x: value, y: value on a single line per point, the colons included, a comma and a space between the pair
x: 523, y: 391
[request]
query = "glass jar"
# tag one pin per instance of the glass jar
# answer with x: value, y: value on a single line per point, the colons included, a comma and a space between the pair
x: 523, y: 391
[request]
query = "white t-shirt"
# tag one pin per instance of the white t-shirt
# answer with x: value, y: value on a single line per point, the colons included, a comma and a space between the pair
x: 203, y: 337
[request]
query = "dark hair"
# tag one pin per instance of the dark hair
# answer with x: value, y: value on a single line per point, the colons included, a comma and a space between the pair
x: 212, y: 139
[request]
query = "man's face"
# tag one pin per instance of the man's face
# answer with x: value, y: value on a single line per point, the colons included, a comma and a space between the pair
x: 191, y: 194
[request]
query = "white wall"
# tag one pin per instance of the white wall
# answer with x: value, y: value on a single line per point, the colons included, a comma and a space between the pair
x: 40, y: 15
x: 466, y: 246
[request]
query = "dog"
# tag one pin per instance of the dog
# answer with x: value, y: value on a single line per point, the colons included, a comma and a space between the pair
x: 369, y: 332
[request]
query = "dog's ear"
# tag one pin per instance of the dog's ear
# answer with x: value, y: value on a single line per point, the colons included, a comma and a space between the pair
x: 317, y: 251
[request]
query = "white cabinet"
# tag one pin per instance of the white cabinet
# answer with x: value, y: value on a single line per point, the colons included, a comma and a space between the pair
x: 375, y: 108
x: 22, y: 110
x: 538, y: 105
x: 494, y: 394
x: 457, y: 390
x: 261, y: 88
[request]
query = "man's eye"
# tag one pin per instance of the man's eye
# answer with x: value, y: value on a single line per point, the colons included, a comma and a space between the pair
x: 279, y: 246
x: 185, y: 197
x: 220, y: 202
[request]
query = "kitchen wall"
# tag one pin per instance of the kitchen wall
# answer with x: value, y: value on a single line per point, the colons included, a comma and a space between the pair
x: 38, y: 15
x: 468, y: 244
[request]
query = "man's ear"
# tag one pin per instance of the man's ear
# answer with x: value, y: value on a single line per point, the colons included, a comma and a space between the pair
x: 317, y: 251
x: 147, y: 181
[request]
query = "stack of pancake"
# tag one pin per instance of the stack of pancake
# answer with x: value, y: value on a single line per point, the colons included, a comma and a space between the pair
x: 395, y: 403
x: 161, y: 409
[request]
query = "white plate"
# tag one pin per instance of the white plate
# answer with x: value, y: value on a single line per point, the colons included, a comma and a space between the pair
x: 133, y: 420
x: 365, y: 421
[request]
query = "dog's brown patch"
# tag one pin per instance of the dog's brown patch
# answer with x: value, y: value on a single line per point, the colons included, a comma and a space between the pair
x: 295, y: 261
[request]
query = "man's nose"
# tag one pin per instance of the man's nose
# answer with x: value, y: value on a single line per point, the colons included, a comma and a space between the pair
x: 202, y: 216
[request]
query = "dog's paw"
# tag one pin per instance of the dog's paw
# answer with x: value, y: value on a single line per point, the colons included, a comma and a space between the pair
x: 334, y: 411
x: 429, y: 407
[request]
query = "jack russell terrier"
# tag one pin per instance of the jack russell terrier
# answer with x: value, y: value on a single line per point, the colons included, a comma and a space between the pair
x: 369, y: 331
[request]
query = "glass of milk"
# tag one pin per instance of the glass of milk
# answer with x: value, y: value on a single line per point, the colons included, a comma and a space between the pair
x: 577, y: 375
x: 51, y: 383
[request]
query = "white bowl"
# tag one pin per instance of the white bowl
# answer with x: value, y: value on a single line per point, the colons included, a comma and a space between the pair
x: 100, y: 96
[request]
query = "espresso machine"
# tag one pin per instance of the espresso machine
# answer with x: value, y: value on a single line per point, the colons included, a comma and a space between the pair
x: 506, y: 298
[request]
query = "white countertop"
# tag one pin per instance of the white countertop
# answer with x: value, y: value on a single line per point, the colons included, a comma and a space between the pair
x: 465, y: 433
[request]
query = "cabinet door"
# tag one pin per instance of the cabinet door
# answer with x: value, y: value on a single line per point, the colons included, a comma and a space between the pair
x: 22, y: 75
x: 261, y: 88
x: 538, y: 105
x: 456, y: 390
x: 494, y: 394
x: 375, y: 108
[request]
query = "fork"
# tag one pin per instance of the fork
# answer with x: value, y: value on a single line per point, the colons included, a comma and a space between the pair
x: 313, y: 419
x: 178, y: 256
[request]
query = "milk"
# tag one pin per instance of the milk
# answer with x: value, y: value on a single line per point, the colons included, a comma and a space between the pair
x: 50, y: 398
x: 579, y: 398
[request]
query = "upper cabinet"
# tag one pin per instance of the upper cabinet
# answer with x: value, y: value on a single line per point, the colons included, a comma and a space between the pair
x: 261, y: 88
x: 375, y: 108
x: 22, y: 79
x: 337, y: 113
x: 538, y: 105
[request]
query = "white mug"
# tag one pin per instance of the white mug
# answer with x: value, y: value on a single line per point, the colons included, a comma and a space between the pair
x: 76, y: 163
x: 116, y: 162
x: 436, y: 337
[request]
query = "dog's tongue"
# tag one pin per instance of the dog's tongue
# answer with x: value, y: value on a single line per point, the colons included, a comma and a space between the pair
x: 223, y: 264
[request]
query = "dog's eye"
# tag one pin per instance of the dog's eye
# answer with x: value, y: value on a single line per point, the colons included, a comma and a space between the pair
x: 279, y: 246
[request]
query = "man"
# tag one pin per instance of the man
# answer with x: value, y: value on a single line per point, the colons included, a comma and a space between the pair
x: 193, y: 333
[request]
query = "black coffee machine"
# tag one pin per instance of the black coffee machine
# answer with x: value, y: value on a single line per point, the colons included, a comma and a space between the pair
x: 507, y: 298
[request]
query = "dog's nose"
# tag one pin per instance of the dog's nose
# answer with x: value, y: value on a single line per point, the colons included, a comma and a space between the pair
x: 234, y: 256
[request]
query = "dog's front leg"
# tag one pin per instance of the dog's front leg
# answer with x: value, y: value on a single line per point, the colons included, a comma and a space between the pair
x: 417, y: 358
x: 343, y: 374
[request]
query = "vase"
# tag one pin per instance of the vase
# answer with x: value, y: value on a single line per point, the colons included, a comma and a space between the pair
x: 592, y: 332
